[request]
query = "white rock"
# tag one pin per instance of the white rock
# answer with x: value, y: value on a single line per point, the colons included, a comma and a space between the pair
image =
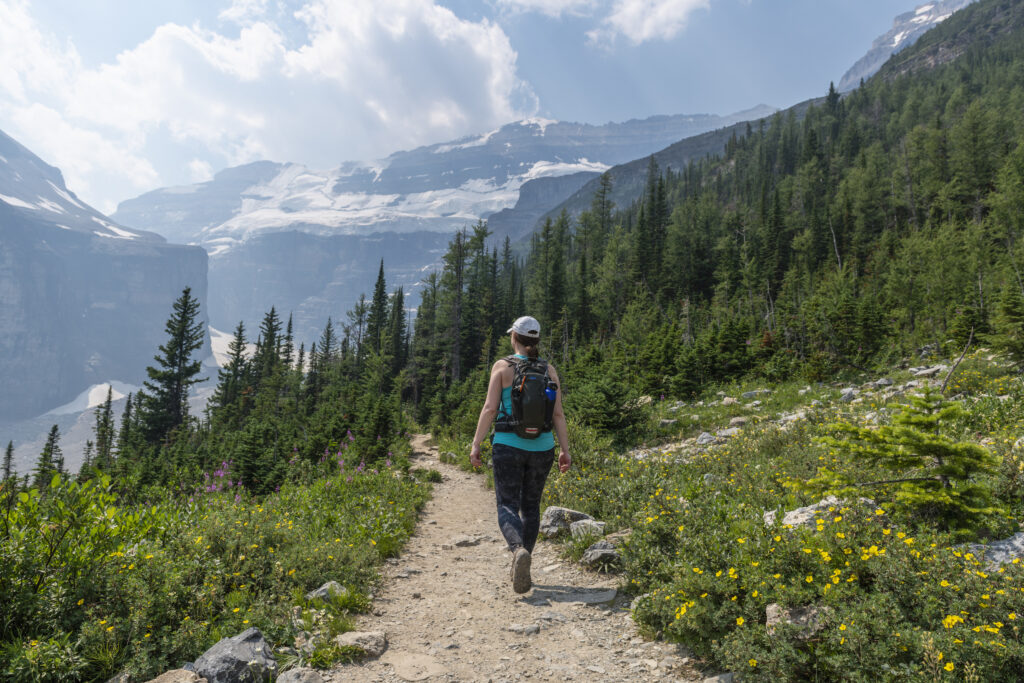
x: 586, y: 527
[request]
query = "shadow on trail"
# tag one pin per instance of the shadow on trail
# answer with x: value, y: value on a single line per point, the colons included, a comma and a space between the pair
x: 546, y: 595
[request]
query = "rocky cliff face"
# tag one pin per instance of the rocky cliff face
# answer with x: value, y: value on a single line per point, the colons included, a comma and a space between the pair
x: 82, y: 299
x: 906, y: 29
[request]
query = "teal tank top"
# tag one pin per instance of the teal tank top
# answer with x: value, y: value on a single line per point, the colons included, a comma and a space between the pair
x: 544, y: 442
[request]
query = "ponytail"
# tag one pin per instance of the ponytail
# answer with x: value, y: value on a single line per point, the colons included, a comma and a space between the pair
x: 529, y: 344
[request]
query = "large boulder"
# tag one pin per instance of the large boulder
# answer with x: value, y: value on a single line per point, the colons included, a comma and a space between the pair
x: 239, y: 659
x: 998, y: 553
x: 373, y: 643
x: 556, y: 520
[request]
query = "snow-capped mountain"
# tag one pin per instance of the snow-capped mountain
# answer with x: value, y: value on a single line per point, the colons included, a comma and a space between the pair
x: 906, y: 29
x: 83, y: 299
x: 37, y: 190
x: 438, y: 188
x: 309, y: 241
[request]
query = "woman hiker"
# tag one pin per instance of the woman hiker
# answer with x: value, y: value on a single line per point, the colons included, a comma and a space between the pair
x: 521, y: 465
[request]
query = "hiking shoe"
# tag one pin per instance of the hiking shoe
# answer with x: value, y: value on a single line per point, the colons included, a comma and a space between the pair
x: 521, y: 581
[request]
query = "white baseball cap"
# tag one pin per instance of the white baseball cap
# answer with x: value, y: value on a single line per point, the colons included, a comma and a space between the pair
x: 525, y: 326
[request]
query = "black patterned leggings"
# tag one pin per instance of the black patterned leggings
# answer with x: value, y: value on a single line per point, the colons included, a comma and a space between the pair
x: 519, y: 478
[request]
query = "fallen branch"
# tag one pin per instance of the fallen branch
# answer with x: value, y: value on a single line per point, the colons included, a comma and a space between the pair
x: 970, y: 338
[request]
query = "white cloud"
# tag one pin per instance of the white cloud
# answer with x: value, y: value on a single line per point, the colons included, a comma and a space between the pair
x: 199, y: 170
x: 551, y: 8
x: 644, y: 20
x: 350, y: 80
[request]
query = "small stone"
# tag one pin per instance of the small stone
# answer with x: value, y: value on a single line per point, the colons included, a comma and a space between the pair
x: 738, y: 422
x: 247, y: 654
x: 556, y: 520
x: 373, y: 643
x: 301, y: 675
x: 595, y: 669
x: 848, y: 394
x: 932, y: 371
x: 808, y: 620
x: 732, y: 431
x: 328, y: 590
x: 465, y: 541
x: 527, y: 630
x: 586, y: 527
x: 721, y: 678
x: 705, y: 439
x: 621, y: 535
x: 666, y: 423
x: 755, y: 393
x: 806, y: 516
x: 729, y: 401
x: 600, y: 554
x: 883, y: 382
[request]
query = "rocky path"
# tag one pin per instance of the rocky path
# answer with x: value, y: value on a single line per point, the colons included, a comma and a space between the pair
x: 450, y: 614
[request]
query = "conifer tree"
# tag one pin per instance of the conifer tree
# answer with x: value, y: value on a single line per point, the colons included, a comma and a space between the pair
x: 48, y: 459
x: 288, y: 351
x: 1008, y: 322
x: 103, y: 430
x: 934, y: 475
x: 231, y: 378
x: 166, y: 402
x: 376, y: 319
x: 396, y: 332
x: 267, y: 356
x: 8, y: 466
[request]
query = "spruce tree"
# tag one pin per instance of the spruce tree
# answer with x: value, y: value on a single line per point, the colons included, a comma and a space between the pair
x: 103, y: 430
x: 231, y: 378
x: 934, y: 475
x: 396, y: 332
x: 166, y: 402
x: 46, y: 464
x: 8, y: 467
x: 376, y: 320
x: 1009, y: 323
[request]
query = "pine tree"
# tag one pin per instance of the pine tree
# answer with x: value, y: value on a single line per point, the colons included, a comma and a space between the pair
x: 376, y: 320
x: 46, y: 464
x: 166, y: 402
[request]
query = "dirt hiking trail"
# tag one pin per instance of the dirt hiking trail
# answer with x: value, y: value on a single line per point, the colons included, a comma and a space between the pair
x: 450, y: 614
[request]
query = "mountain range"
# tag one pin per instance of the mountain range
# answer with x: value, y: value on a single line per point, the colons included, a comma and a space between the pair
x: 83, y: 299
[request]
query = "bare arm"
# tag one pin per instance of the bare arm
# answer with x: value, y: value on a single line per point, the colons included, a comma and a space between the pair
x: 487, y: 413
x: 561, y: 431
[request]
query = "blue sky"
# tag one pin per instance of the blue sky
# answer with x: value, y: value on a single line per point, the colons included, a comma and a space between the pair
x: 126, y: 96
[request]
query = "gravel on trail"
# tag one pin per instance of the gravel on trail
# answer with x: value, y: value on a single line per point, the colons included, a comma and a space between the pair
x: 450, y: 614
